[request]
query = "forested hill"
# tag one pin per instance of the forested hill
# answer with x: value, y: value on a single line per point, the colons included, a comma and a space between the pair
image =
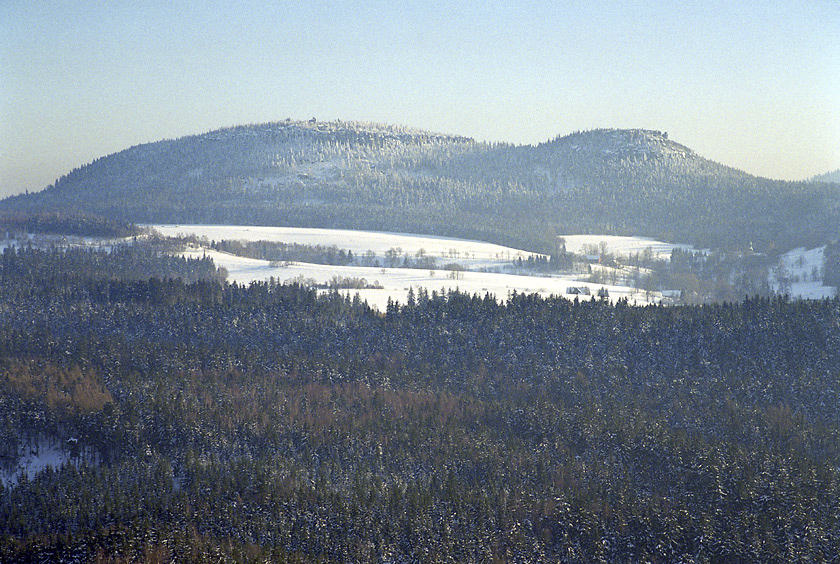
x: 833, y: 176
x: 368, y: 176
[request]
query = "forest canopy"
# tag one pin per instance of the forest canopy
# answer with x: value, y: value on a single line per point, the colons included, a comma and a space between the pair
x: 206, y: 420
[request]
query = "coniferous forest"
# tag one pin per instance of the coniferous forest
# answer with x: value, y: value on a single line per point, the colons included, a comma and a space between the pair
x: 206, y: 421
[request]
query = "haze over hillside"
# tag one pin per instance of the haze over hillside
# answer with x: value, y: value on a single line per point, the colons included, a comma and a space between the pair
x: 369, y: 176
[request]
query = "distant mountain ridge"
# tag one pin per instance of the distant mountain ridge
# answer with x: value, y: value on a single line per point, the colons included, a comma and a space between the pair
x: 372, y: 176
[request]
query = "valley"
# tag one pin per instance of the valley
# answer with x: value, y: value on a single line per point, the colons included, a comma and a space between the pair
x: 383, y: 267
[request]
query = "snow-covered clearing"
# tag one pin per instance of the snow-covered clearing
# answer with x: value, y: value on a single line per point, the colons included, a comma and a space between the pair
x: 799, y: 273
x: 37, y: 454
x: 40, y: 240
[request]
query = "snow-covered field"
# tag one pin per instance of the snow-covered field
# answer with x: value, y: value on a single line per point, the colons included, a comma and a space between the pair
x: 800, y: 273
x: 470, y: 254
x: 396, y: 282
x: 487, y: 267
x: 622, y: 247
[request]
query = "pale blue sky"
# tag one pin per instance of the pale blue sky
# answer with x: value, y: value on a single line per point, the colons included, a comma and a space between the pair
x: 755, y: 85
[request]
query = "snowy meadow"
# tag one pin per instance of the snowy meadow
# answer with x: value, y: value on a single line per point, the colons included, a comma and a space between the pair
x: 469, y: 266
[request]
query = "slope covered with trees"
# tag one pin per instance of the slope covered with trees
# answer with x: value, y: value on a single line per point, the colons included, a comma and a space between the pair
x: 365, y: 176
x: 242, y: 423
x: 833, y: 176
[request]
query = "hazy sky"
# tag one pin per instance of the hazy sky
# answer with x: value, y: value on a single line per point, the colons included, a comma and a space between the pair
x: 751, y: 84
